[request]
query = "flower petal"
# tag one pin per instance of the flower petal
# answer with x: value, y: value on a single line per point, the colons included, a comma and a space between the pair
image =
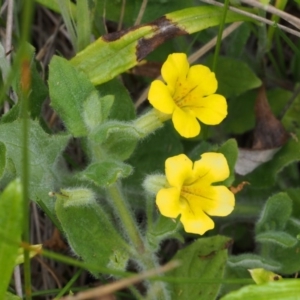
x: 177, y: 169
x: 219, y: 202
x: 203, y: 78
x: 212, y: 167
x: 175, y: 68
x: 185, y: 123
x: 196, y: 221
x: 210, y: 110
x: 160, y: 98
x: 168, y: 202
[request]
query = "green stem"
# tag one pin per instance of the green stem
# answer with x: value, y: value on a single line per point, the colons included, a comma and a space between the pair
x: 25, y: 83
x: 219, y: 39
x: 150, y: 121
x: 68, y: 286
x: 127, y: 219
x: 143, y: 256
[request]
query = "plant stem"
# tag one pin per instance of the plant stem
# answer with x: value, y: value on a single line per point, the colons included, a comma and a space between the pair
x: 220, y: 33
x: 150, y: 121
x: 124, y: 213
x: 144, y: 257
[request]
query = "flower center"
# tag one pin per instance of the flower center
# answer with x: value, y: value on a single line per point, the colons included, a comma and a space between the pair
x: 182, y: 93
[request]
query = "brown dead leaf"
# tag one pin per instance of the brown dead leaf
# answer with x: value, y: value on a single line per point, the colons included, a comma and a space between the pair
x: 268, y: 137
x: 55, y: 242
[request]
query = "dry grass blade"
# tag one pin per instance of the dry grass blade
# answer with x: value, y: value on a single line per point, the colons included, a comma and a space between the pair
x: 273, y: 10
x: 254, y: 17
x: 120, y: 284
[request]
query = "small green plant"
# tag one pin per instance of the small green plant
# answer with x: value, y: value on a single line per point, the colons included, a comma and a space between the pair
x: 169, y: 172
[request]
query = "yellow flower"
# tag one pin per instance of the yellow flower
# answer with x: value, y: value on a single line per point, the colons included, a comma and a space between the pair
x: 192, y: 194
x: 188, y: 95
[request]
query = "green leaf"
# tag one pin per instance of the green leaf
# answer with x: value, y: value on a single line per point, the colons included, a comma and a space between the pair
x: 275, y: 214
x: 162, y: 229
x: 38, y: 94
x: 68, y: 89
x: 104, y: 173
x: 264, y: 175
x: 261, y: 276
x: 11, y: 227
x: 115, y: 53
x: 153, y: 10
x: 53, y: 5
x: 44, y: 151
x: 90, y: 232
x: 241, y: 117
x: 230, y: 151
x: 2, y: 158
x: 96, y: 109
x: 10, y: 296
x: 122, y: 108
x: 290, y: 119
x: 289, y: 257
x: 83, y: 24
x: 234, y: 77
x: 151, y: 153
x: 287, y: 289
x: 279, y: 238
x: 253, y: 261
x: 117, y: 139
x: 203, y: 259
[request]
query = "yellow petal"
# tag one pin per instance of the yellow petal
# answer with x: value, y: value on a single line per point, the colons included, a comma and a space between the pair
x: 160, y: 98
x: 212, y: 167
x: 168, y: 202
x: 177, y: 169
x: 203, y: 78
x: 214, y: 200
x: 175, y: 68
x: 185, y: 123
x: 196, y: 221
x: 210, y: 110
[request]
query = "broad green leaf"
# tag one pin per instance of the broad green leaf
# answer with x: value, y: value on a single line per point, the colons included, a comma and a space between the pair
x: 289, y: 257
x: 11, y: 227
x: 241, y: 116
x: 230, y: 151
x: 10, y: 296
x: 290, y: 119
x: 204, y: 259
x: 162, y: 229
x: 115, y: 138
x: 275, y: 214
x: 122, y: 108
x: 288, y: 289
x: 38, y: 94
x: 153, y: 10
x: 96, y: 109
x: 279, y: 238
x: 92, y: 235
x: 253, y: 261
x: 104, y: 173
x: 44, y: 151
x: 115, y: 53
x: 2, y: 158
x: 234, y: 77
x: 236, y: 42
x: 264, y: 175
x: 68, y: 89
